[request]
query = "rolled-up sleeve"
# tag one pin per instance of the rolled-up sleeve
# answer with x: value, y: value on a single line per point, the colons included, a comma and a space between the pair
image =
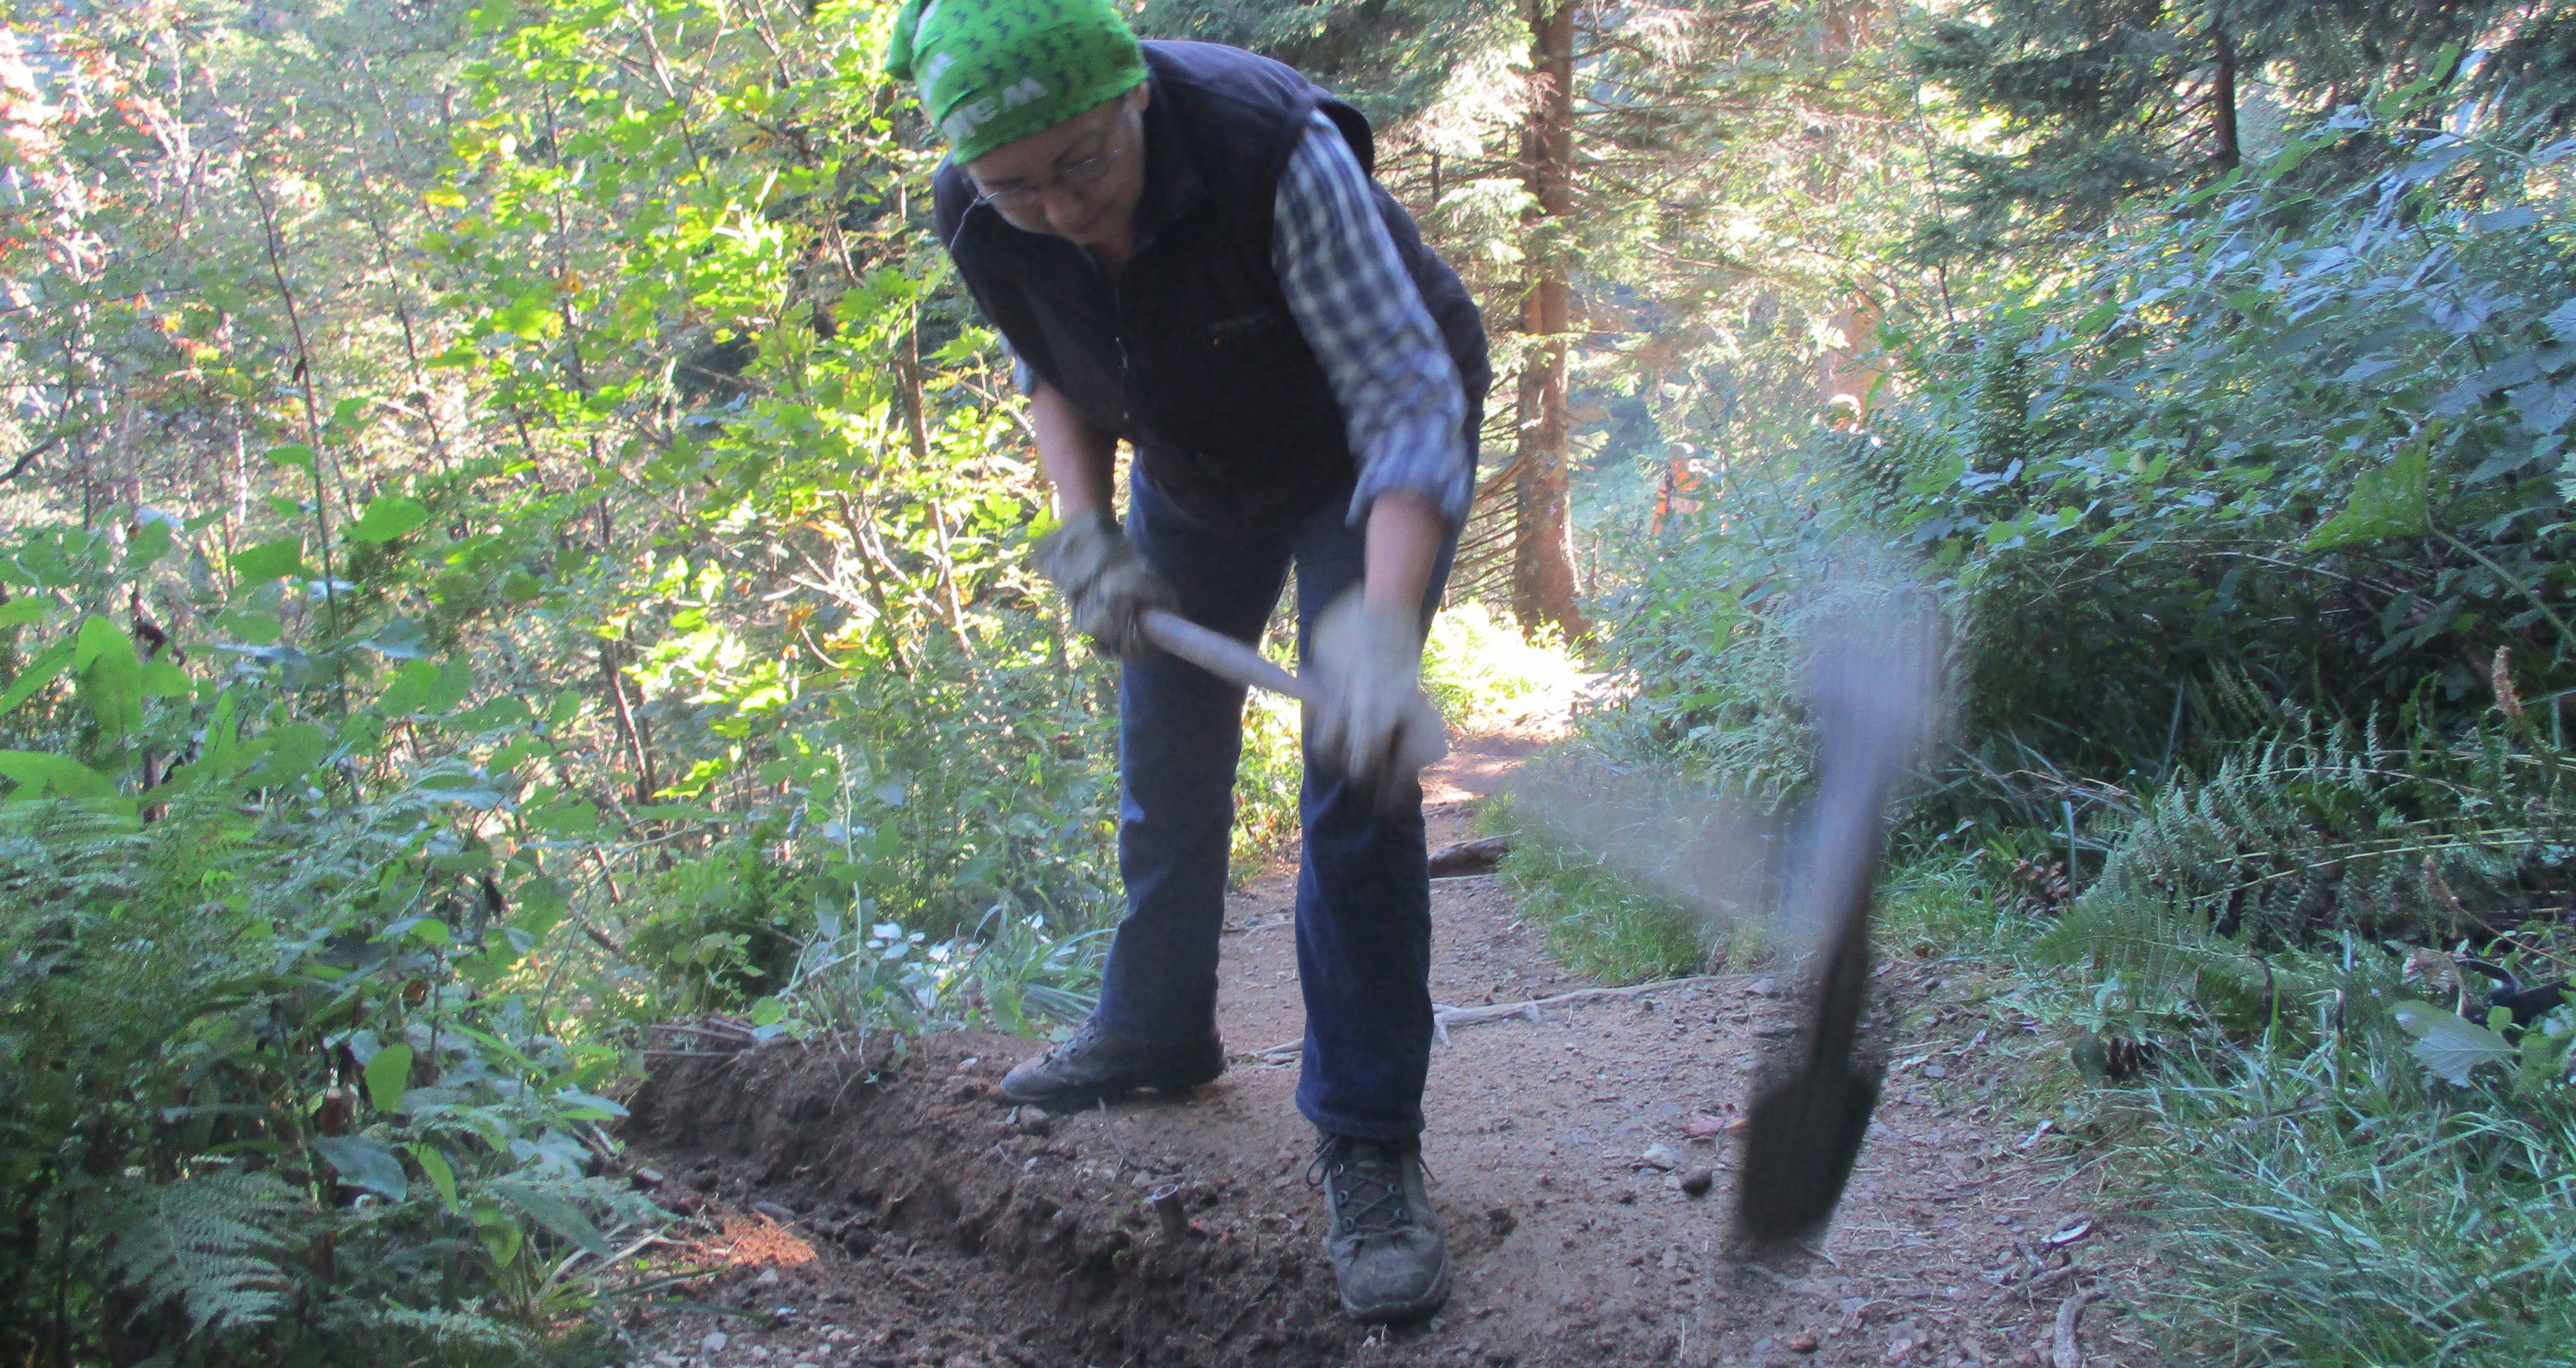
x: 1362, y: 313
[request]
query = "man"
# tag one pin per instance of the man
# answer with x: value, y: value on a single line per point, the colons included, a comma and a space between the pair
x: 1183, y: 248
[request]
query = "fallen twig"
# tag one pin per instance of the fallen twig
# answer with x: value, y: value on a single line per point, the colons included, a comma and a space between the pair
x: 2065, y: 1353
x: 1443, y: 1017
x: 685, y: 1029
x: 1467, y: 858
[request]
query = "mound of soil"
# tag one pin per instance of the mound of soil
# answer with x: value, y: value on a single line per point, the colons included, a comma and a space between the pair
x: 1022, y: 1237
x: 889, y: 1209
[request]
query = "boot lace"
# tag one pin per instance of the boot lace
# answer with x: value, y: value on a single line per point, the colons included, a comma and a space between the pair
x: 1365, y: 1184
x: 1073, y: 1045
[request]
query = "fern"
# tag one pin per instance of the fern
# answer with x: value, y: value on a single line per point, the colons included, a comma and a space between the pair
x: 208, y: 1243
x: 2307, y: 831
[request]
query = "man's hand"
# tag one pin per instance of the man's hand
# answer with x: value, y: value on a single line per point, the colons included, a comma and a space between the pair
x: 1105, y: 583
x: 1370, y: 719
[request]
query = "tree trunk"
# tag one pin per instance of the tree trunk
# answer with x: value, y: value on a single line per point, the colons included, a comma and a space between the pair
x: 1543, y: 532
x: 2222, y: 106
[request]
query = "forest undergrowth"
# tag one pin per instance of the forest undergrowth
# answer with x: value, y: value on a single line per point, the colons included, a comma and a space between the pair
x: 513, y: 549
x: 2252, y: 533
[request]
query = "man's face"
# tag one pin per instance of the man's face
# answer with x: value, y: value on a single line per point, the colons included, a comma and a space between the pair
x: 1079, y: 180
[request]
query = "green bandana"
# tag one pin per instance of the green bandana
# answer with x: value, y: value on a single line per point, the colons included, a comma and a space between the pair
x: 993, y: 71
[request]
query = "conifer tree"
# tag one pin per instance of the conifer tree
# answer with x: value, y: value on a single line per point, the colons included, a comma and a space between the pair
x: 2114, y: 98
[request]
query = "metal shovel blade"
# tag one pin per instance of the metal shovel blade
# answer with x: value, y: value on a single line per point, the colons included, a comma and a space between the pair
x: 1805, y: 1128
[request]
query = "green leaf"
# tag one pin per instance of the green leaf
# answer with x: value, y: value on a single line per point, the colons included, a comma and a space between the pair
x: 388, y: 518
x: 152, y: 540
x: 2394, y: 500
x: 2450, y: 1046
x: 37, y: 773
x: 294, y: 454
x: 271, y: 560
x: 388, y: 1074
x: 500, y: 1233
x: 557, y: 1215
x: 769, y: 1011
x: 433, y: 1163
x: 18, y: 612
x: 251, y: 629
x: 399, y: 639
x: 161, y: 679
x: 363, y: 1163
x: 43, y: 670
x: 111, y: 680
x: 292, y: 752
x: 582, y: 1106
x: 455, y: 679
x: 410, y: 689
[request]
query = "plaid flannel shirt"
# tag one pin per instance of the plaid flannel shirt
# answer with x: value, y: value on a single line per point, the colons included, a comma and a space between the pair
x: 1364, y: 317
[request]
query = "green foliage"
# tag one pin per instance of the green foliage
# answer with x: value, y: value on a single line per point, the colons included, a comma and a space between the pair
x: 2334, y: 1205
x: 2104, y: 101
x: 2309, y: 833
x: 1267, y: 781
x: 1601, y: 918
x: 726, y: 926
x: 1483, y: 673
x: 193, y: 1027
x: 206, y: 1243
x: 2338, y: 416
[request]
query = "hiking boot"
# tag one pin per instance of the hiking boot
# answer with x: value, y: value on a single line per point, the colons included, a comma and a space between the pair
x: 1095, y: 1064
x: 1388, y: 1257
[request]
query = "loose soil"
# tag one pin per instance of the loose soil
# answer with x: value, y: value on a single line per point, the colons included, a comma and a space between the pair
x: 886, y: 1208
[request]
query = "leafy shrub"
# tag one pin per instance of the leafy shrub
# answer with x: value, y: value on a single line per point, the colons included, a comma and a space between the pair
x: 282, y: 1088
x: 726, y: 926
x: 1484, y: 673
x: 2317, y: 443
x: 2311, y: 832
x: 1267, y: 781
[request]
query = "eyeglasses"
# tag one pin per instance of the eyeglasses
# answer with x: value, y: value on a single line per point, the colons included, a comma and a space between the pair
x: 1081, y: 175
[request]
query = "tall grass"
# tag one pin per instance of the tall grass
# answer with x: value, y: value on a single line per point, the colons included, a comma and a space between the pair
x: 2330, y: 1206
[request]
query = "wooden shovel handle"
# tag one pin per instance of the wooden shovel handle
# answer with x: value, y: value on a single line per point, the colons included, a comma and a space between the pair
x: 1219, y: 654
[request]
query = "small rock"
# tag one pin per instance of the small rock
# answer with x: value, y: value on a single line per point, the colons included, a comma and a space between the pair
x: 1660, y: 1156
x: 1803, y: 1342
x: 1698, y: 1181
x: 758, y: 1354
x: 1774, y: 1030
x: 774, y: 1211
x: 1502, y: 1220
x: 768, y: 1278
x: 714, y: 1343
x: 1035, y: 1122
x: 1761, y: 987
x: 1936, y: 1071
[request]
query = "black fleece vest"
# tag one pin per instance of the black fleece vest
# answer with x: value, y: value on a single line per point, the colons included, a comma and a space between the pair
x: 1193, y: 357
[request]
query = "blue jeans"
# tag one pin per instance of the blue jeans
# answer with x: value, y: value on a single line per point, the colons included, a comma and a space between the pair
x: 1363, y: 889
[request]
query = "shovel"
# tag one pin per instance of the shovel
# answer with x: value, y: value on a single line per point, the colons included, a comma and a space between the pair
x: 1235, y: 662
x: 1220, y: 655
x: 1870, y: 689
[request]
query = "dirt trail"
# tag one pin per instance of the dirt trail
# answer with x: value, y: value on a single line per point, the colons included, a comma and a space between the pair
x: 895, y: 1213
